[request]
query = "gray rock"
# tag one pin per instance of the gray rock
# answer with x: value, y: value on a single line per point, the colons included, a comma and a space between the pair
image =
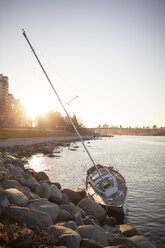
x: 70, y: 224
x: 90, y: 243
x: 45, y: 206
x: 73, y: 196
x: 16, y: 197
x: 7, y: 184
x: 128, y: 230
x: 65, y: 199
x: 65, y: 236
x: 141, y: 242
x: 73, y: 210
x: 43, y: 190
x: 137, y: 241
x: 31, y: 217
x: 64, y: 215
x: 94, y: 232
x: 31, y: 182
x: 55, y: 195
x: 41, y: 175
x: 4, y: 202
x: 92, y: 208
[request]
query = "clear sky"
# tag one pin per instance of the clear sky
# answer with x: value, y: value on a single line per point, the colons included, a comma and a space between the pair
x: 111, y: 53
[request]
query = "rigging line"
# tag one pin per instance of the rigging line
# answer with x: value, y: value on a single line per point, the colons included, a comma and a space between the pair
x: 62, y: 104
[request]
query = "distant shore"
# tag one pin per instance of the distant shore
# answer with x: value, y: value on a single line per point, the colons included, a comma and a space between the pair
x: 36, y: 140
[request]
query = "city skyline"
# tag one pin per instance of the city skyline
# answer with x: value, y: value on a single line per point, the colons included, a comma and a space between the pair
x: 109, y: 53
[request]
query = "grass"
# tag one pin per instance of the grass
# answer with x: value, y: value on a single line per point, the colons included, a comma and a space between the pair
x: 13, y: 133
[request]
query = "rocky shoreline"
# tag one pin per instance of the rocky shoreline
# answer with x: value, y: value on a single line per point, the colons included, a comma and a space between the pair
x: 38, y: 213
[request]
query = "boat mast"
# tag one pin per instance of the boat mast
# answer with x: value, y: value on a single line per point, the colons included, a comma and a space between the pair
x: 78, y: 134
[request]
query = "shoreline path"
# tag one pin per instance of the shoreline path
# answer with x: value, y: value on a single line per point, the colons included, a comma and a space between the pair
x: 36, y: 140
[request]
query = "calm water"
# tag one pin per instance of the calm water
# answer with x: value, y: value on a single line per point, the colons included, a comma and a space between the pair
x: 140, y: 159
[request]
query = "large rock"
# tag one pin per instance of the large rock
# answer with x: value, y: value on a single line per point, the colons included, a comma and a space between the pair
x: 64, y: 215
x: 41, y: 175
x: 43, y: 190
x: 55, y: 195
x: 45, y: 206
x: 16, y: 197
x: 90, y: 243
x: 31, y: 182
x: 94, y: 232
x: 72, y: 195
x: 92, y: 208
x: 31, y: 217
x: 137, y: 241
x: 73, y: 210
x: 128, y: 230
x: 4, y: 202
x: 70, y: 224
x: 7, y: 184
x: 65, y: 236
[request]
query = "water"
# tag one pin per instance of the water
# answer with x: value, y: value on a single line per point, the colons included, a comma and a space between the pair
x: 140, y: 159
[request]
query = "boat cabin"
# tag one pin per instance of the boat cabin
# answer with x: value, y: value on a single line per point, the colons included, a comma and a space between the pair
x: 106, y: 184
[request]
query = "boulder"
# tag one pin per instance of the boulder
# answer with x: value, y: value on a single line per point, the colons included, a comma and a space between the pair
x: 92, y: 208
x: 73, y: 196
x: 31, y: 217
x: 43, y: 190
x: 90, y: 243
x: 65, y: 236
x: 94, y: 232
x: 64, y: 215
x: 31, y: 182
x: 41, y: 175
x: 128, y: 230
x: 73, y: 210
x: 3, y: 176
x: 4, y: 202
x: 70, y: 224
x: 55, y: 195
x: 137, y: 241
x: 65, y: 199
x: 16, y: 197
x: 45, y: 206
x: 7, y: 184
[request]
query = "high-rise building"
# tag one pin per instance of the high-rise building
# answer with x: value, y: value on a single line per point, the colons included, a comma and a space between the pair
x: 4, y: 88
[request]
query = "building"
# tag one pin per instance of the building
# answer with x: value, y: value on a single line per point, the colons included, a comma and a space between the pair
x: 11, y: 112
x: 4, y: 88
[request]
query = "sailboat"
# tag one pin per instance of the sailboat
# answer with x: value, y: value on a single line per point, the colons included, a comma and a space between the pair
x: 103, y: 184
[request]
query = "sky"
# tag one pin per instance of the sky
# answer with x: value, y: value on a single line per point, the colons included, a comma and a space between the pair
x: 109, y: 53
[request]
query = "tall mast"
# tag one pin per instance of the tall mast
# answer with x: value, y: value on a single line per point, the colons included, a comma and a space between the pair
x: 78, y: 134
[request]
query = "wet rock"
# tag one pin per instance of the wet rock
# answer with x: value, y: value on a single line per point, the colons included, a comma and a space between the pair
x: 31, y: 217
x: 92, y: 208
x: 55, y: 195
x: 16, y: 197
x: 94, y: 232
x: 45, y: 206
x: 137, y: 241
x: 128, y: 230
x: 73, y: 196
x: 43, y: 190
x: 41, y: 175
